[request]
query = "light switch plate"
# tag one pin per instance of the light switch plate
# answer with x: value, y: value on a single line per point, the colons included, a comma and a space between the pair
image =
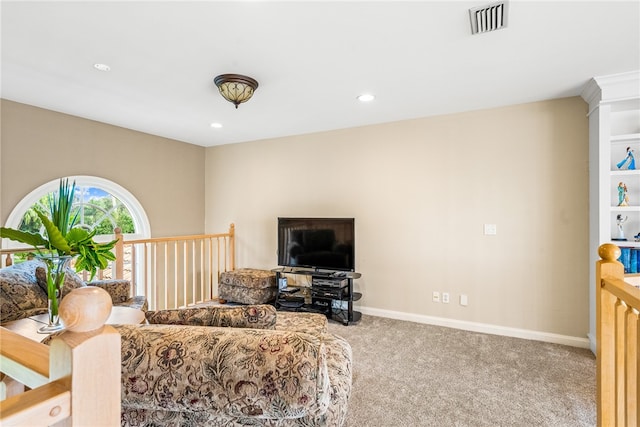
x: 490, y: 229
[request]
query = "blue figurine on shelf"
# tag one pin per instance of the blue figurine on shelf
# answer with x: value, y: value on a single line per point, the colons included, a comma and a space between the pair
x: 629, y: 158
x: 623, y: 198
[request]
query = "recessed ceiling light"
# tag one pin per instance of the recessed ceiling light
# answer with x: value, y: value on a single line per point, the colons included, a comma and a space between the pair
x: 216, y: 125
x: 102, y: 67
x: 366, y: 97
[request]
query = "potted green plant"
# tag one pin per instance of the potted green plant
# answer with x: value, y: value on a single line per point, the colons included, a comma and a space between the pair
x: 62, y: 241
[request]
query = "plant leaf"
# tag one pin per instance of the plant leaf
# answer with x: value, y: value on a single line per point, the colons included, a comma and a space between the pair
x: 77, y: 235
x: 56, y: 239
x: 32, y: 239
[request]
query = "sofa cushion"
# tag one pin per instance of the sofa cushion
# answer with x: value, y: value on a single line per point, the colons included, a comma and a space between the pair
x: 247, y: 286
x: 251, y: 316
x: 311, y: 323
x: 120, y: 290
x: 139, y: 302
x: 20, y: 295
x: 71, y: 280
x: 248, y: 374
x: 249, y: 278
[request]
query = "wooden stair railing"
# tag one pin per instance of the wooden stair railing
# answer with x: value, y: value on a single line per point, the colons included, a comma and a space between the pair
x: 174, y: 272
x: 170, y: 272
x: 617, y: 341
x: 74, y: 382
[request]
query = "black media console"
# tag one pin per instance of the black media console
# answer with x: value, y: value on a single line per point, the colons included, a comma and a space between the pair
x: 328, y: 292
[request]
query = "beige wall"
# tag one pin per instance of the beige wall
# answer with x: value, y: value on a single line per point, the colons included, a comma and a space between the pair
x: 166, y: 176
x: 420, y: 192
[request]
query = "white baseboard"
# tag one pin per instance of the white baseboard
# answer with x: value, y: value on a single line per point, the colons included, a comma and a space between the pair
x: 479, y: 327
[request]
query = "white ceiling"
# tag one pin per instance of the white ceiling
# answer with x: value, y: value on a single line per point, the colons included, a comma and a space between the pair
x: 311, y: 59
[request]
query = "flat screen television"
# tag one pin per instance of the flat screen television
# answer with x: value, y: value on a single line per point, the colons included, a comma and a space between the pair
x: 318, y: 243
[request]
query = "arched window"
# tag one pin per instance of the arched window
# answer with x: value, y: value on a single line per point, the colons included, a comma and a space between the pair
x: 101, y: 204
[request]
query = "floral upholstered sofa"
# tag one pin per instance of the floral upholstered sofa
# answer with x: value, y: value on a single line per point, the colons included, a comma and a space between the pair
x: 214, y: 366
x: 23, y: 290
x: 234, y: 366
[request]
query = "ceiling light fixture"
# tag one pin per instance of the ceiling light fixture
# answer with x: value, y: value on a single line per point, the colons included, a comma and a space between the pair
x: 102, y: 67
x: 366, y: 97
x: 236, y: 88
x: 216, y: 125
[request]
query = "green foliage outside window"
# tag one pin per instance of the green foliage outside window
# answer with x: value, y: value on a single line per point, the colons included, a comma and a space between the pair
x: 96, y: 209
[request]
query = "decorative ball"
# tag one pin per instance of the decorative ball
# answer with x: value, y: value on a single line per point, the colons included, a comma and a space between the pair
x: 609, y: 252
x: 85, y: 309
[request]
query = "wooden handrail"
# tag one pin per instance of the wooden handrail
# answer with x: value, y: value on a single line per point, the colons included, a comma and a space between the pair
x: 617, y: 342
x: 619, y: 288
x: 32, y: 372
x: 42, y: 406
x: 174, y: 238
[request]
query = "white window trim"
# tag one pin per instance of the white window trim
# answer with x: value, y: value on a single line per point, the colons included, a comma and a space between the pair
x: 138, y: 214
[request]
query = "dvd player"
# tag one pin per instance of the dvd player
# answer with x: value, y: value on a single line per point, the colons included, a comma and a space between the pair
x: 329, y: 283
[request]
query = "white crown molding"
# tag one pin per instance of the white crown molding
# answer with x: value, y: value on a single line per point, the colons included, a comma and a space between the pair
x: 480, y: 327
x: 612, y: 88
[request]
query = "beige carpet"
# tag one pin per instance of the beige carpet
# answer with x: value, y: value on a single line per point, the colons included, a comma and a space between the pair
x: 410, y: 374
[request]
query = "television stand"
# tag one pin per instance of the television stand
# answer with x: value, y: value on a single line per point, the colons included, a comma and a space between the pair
x: 329, y: 293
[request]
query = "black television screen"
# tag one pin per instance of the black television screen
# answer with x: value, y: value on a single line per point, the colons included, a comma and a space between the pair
x: 320, y: 243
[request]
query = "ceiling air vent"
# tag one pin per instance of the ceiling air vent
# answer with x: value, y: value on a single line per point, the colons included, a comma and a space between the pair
x: 489, y: 18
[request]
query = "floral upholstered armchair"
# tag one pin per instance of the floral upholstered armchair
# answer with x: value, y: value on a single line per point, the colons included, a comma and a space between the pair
x: 23, y: 290
x: 234, y: 366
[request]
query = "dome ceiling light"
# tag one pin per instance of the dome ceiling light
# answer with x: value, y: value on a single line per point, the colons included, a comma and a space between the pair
x: 102, y: 67
x: 236, y: 88
x: 366, y: 97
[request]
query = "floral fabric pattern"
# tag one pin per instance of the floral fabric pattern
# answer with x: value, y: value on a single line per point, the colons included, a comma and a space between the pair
x: 247, y: 286
x: 120, y: 290
x: 338, y: 364
x: 222, y: 372
x: 249, y: 278
x: 311, y: 323
x: 20, y: 295
x: 23, y: 290
x: 289, y: 373
x: 338, y: 360
x: 250, y: 316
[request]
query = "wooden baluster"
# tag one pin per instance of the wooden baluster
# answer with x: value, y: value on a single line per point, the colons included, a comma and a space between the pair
x: 232, y: 247
x: 119, y: 269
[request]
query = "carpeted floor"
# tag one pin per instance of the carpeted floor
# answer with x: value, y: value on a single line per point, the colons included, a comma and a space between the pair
x: 411, y: 374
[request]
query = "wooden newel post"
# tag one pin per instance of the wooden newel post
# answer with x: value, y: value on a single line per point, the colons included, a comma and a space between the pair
x: 119, y: 252
x: 86, y: 358
x: 606, y: 268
